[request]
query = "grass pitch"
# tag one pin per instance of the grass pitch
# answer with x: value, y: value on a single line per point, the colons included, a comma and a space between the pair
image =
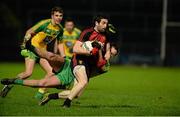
x: 124, y: 90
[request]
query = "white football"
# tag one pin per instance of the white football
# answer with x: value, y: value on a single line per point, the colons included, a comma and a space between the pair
x: 87, y: 45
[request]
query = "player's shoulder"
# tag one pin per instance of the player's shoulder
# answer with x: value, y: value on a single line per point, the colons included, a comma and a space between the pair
x: 77, y: 30
x: 88, y: 30
x: 42, y: 23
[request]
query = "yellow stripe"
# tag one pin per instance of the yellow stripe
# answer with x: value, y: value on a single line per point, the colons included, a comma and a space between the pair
x: 40, y: 23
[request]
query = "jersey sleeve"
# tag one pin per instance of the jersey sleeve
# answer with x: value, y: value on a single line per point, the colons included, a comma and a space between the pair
x: 40, y: 26
x: 84, y: 36
x: 78, y: 32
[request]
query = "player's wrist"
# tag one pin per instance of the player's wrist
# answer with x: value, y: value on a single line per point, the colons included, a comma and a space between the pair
x: 22, y: 46
x: 27, y: 37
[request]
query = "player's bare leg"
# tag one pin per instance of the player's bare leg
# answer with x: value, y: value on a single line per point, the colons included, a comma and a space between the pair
x: 80, y: 74
x: 82, y: 79
x: 52, y: 81
x: 53, y: 96
x: 29, y: 66
x: 61, y: 95
x: 64, y: 94
x: 48, y: 69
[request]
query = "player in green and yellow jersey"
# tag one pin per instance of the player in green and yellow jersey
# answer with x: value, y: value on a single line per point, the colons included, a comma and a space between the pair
x: 37, y: 38
x: 70, y: 35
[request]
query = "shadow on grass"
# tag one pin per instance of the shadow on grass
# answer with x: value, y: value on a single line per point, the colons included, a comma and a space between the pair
x: 106, y: 106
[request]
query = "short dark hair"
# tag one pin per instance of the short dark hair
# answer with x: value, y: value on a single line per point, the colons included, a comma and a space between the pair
x: 57, y: 9
x: 69, y: 19
x: 98, y: 18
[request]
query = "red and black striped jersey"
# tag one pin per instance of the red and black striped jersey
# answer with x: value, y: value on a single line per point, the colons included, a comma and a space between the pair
x: 90, y: 62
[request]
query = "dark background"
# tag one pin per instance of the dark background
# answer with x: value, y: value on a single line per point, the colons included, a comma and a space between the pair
x: 139, y: 22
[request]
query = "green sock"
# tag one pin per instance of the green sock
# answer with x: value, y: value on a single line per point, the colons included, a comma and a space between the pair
x: 18, y: 81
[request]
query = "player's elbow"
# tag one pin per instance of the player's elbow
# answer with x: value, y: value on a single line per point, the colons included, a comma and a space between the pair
x: 30, y: 31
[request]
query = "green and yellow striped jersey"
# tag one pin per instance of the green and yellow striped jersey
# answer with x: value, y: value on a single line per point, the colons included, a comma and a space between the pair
x: 45, y: 32
x: 69, y: 39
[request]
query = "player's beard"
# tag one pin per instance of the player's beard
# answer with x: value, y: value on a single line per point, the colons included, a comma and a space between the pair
x: 102, y: 30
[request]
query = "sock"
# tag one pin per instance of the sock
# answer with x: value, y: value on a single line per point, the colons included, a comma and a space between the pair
x: 53, y: 96
x: 67, y: 102
x: 40, y: 94
x: 18, y: 81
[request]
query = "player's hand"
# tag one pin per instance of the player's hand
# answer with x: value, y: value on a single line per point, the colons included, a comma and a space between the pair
x: 107, y: 55
x: 23, y: 46
x: 94, y: 51
x: 101, y: 63
x: 27, y: 37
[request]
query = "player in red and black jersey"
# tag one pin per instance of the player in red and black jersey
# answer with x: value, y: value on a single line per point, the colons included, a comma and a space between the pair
x: 83, y: 61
